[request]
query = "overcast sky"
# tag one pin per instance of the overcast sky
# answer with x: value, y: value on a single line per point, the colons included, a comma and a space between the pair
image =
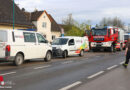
x: 82, y: 10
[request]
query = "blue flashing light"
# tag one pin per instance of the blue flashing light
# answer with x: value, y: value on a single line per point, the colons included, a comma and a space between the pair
x: 106, y: 26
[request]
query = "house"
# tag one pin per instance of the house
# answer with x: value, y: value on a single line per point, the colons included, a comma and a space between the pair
x: 6, y: 16
x: 45, y: 24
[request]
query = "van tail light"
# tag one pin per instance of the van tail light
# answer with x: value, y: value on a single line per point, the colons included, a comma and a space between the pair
x: 8, y: 48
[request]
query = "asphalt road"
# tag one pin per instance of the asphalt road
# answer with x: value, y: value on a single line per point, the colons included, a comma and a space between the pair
x: 59, y: 73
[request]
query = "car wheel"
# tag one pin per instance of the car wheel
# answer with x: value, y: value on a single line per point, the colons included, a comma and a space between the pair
x: 18, y: 59
x: 64, y: 54
x: 81, y: 53
x: 48, y: 56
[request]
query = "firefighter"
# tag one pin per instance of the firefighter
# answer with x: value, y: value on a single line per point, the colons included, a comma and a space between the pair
x: 127, y: 53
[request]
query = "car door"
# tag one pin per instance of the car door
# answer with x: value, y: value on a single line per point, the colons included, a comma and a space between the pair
x: 72, y: 47
x: 42, y: 46
x: 30, y: 45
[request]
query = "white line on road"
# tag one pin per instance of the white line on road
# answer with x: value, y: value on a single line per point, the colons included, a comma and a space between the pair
x: 122, y: 62
x: 67, y: 62
x: 112, y: 67
x: 42, y: 67
x: 94, y: 75
x: 7, y: 73
x: 70, y: 86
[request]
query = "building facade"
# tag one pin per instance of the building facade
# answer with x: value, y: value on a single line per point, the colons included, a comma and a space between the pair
x: 45, y: 24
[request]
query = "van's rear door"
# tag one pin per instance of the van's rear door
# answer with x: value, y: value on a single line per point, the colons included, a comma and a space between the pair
x: 3, y: 40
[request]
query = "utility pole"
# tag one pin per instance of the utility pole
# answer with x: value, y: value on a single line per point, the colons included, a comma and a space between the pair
x: 13, y: 15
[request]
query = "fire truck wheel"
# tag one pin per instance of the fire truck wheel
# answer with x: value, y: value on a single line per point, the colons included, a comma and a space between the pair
x: 94, y: 50
x: 112, y: 49
x: 121, y: 47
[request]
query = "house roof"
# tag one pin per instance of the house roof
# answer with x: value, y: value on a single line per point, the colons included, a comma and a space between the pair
x: 34, y: 16
x: 6, y: 15
x: 54, y: 25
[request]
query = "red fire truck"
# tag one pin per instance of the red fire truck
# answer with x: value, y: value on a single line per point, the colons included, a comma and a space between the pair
x: 107, y: 38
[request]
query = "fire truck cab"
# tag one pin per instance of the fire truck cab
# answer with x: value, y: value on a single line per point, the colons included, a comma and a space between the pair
x: 107, y: 38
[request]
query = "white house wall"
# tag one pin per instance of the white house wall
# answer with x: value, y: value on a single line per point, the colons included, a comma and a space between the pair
x: 56, y: 34
x: 45, y: 31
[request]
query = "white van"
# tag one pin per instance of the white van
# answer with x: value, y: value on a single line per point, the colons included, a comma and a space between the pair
x: 69, y: 45
x: 18, y: 45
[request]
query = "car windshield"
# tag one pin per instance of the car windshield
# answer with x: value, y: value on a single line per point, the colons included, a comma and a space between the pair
x: 60, y: 41
x: 98, y: 32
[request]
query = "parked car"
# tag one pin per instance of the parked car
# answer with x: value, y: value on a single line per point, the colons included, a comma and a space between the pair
x: 18, y: 46
x: 68, y: 45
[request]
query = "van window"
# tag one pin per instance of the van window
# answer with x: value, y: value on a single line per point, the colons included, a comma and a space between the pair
x: 71, y: 42
x: 40, y: 38
x: 29, y: 37
x: 3, y: 36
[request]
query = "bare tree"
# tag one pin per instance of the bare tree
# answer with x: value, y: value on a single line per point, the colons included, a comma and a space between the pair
x: 112, y: 22
x: 69, y: 20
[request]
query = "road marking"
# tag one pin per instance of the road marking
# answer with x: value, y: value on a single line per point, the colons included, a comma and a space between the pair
x: 122, y: 62
x: 7, y: 73
x: 94, y: 75
x: 67, y: 62
x: 70, y: 86
x: 42, y: 67
x: 112, y: 67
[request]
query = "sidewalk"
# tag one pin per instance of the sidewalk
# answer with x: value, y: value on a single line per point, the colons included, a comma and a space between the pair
x: 117, y: 79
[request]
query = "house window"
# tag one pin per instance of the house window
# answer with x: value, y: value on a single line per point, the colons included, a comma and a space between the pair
x: 53, y: 37
x: 44, y: 16
x: 44, y: 24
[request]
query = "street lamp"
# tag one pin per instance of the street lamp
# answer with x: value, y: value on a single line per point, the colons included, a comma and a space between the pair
x: 13, y: 15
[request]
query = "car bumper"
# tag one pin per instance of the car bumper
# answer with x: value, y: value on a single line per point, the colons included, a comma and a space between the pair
x: 57, y: 52
x: 98, y: 47
x: 7, y: 59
